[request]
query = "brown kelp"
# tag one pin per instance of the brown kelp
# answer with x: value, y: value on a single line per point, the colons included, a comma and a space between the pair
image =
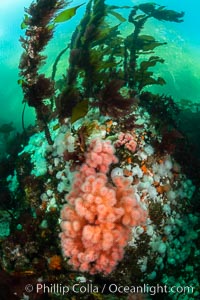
x: 100, y: 57
x: 102, y: 61
x: 39, y: 30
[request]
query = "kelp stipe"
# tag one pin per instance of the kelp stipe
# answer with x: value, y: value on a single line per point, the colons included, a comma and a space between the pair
x: 39, y: 22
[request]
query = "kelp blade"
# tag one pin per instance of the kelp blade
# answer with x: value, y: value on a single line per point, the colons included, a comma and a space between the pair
x: 66, y: 14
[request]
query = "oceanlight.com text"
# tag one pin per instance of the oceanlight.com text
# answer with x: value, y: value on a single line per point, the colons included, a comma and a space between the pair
x: 82, y: 288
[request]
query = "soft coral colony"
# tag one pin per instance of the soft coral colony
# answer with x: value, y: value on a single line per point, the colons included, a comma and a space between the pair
x: 106, y: 163
x: 97, y: 221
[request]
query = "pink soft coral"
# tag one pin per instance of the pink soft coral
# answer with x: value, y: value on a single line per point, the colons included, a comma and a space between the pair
x: 96, y: 222
x: 126, y: 140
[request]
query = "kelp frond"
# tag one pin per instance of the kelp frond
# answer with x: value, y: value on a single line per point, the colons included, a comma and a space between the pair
x: 103, y: 61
